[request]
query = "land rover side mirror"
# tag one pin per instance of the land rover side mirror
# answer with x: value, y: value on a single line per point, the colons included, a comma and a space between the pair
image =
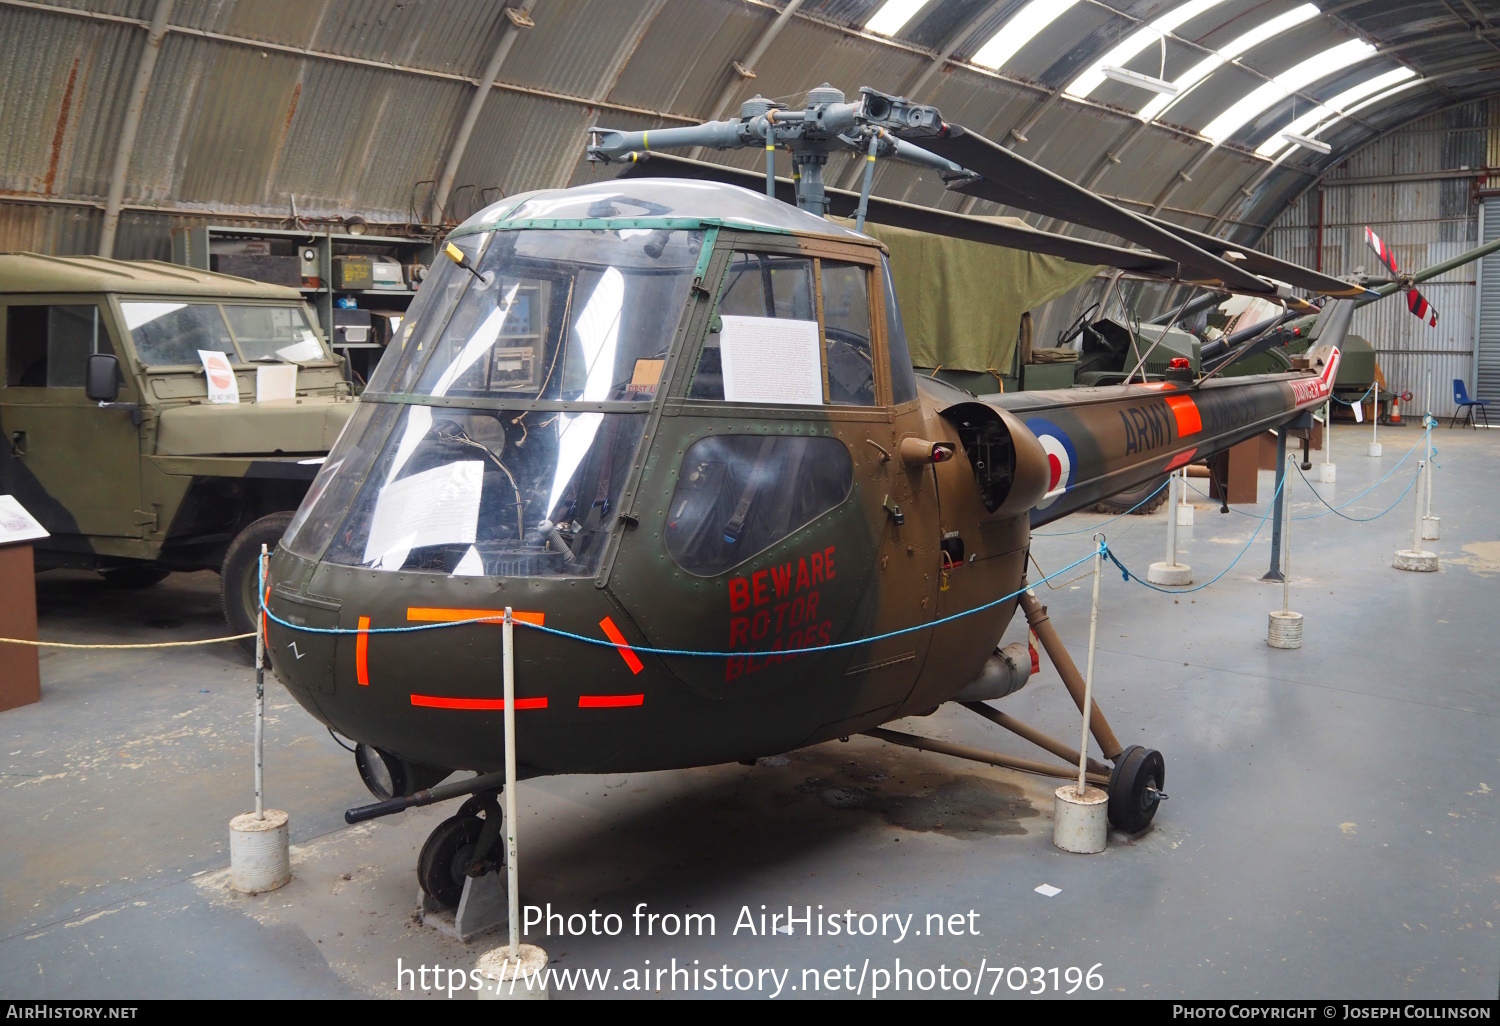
x: 101, y: 380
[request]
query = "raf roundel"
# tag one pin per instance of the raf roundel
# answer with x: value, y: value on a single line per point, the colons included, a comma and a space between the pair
x: 1061, y: 458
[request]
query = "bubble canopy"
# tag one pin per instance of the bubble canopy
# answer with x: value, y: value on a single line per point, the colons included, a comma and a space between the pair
x: 495, y: 436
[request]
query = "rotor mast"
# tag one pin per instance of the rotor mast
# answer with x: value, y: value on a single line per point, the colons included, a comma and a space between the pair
x: 825, y: 124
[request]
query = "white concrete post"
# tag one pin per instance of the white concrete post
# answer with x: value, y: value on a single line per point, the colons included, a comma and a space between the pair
x: 511, y: 973
x: 260, y: 689
x: 259, y: 841
x: 1431, y: 525
x: 511, y: 871
x: 1184, y: 505
x: 1080, y: 815
x: 1327, y: 473
x: 1171, y: 572
x: 1416, y: 558
x: 1285, y: 627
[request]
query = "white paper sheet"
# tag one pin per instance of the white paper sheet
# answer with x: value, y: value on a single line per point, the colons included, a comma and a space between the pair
x: 1359, y: 413
x: 276, y: 382
x: 436, y: 507
x: 771, y: 360
x: 222, y: 388
x: 303, y: 351
x: 17, y: 525
x: 472, y: 565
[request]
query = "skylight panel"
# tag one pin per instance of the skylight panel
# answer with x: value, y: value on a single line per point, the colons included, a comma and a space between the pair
x: 1336, y: 106
x: 1019, y: 31
x: 1260, y: 99
x: 893, y: 16
x: 1214, y: 61
x: 1134, y: 43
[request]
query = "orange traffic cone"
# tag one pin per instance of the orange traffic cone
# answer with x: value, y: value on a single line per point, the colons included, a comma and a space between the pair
x: 1396, y: 409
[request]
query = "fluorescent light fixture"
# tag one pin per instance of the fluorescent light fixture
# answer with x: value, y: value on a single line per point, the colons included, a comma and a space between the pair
x: 1214, y: 61
x: 1134, y: 43
x: 1337, y: 118
x: 1258, y: 100
x: 1135, y: 78
x: 1019, y: 31
x: 1316, y: 145
x: 893, y: 16
x: 1340, y: 105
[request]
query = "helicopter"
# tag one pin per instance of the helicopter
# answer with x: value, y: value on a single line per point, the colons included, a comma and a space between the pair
x: 672, y: 415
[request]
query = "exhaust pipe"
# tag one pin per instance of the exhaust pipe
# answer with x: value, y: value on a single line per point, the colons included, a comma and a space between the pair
x: 1004, y: 673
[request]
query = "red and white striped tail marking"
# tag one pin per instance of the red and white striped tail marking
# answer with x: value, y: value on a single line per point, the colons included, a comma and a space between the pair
x: 1310, y: 390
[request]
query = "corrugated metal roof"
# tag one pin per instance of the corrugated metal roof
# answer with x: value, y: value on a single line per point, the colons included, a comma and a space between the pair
x: 349, y: 105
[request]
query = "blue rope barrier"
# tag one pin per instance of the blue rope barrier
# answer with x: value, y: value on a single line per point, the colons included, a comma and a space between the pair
x: 1117, y: 516
x: 1367, y: 491
x: 1130, y: 575
x: 603, y: 643
x: 1345, y: 505
x: 1357, y: 520
x: 1357, y: 401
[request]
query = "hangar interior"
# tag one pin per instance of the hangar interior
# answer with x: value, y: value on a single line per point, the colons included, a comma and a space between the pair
x: 1330, y: 830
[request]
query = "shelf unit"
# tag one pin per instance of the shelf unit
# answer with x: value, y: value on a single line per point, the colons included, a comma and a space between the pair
x: 192, y: 247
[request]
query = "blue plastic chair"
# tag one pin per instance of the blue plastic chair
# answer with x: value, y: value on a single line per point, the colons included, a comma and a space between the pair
x: 1468, y: 406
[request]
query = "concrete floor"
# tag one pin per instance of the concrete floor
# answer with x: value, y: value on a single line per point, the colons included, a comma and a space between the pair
x: 1331, y: 830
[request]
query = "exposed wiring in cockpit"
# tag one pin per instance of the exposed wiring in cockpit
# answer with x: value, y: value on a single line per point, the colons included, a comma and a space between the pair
x: 463, y: 438
x: 567, y: 312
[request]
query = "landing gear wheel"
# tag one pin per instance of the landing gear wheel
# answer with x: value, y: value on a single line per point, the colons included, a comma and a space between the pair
x: 1125, y: 502
x: 1135, y: 788
x: 128, y: 578
x: 239, y: 577
x: 443, y: 865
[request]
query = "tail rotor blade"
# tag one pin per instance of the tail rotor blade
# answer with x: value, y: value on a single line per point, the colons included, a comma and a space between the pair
x: 1420, y: 308
x: 1382, y: 251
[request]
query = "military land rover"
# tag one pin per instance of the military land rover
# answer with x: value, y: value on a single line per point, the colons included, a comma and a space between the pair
x: 109, y: 435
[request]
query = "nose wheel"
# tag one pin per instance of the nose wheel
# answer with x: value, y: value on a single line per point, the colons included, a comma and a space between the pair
x: 462, y: 846
x: 1135, y: 788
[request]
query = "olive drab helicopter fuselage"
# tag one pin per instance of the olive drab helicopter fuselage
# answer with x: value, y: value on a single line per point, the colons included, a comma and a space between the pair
x: 672, y: 424
x: 681, y: 416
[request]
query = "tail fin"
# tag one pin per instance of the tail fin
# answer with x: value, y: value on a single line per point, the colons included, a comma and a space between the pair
x: 1333, y: 323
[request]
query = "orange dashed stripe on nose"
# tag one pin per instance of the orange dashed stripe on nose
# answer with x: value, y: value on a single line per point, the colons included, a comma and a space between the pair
x: 622, y: 646
x: 474, y: 704
x: 609, y: 701
x: 445, y: 615
x: 362, y: 652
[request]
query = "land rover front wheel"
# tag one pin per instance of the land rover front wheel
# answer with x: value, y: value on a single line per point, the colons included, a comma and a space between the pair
x: 240, y: 575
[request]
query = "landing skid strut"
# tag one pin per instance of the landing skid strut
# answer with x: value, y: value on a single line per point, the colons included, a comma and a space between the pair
x: 1136, y: 778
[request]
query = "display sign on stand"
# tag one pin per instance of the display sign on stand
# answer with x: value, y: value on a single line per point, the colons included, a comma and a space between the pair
x: 20, y: 672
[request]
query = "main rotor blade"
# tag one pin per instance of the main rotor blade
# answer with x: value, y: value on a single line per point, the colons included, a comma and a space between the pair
x: 1260, y: 263
x: 913, y: 216
x: 1011, y: 179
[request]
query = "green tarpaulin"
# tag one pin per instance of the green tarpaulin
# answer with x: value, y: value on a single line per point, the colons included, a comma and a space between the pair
x: 962, y: 301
